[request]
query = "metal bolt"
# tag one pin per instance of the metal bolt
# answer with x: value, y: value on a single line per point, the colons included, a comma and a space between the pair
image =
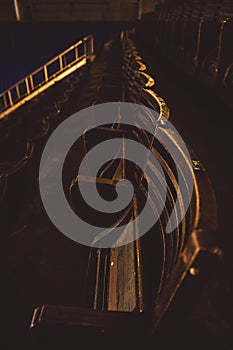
x: 193, y: 271
x: 197, y: 165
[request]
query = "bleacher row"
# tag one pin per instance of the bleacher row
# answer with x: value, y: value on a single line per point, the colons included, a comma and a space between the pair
x: 117, y: 74
x: 194, y: 10
x: 24, y: 132
x: 23, y: 135
x: 197, y: 37
x: 200, y: 219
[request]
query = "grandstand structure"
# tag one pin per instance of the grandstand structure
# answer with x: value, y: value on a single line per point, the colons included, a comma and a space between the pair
x: 175, y: 57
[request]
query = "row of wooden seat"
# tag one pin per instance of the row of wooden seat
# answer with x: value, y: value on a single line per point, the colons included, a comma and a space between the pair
x: 24, y: 132
x: 164, y: 271
x: 138, y: 86
x: 114, y: 84
x: 195, y: 10
x: 140, y: 90
x: 197, y: 42
x: 196, y: 219
x: 175, y: 251
x: 23, y: 135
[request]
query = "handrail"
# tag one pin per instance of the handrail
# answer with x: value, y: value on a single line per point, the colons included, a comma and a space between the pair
x: 42, y: 78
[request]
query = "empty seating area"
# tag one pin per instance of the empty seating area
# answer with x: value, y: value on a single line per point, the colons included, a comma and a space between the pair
x: 195, y: 36
x: 62, y: 281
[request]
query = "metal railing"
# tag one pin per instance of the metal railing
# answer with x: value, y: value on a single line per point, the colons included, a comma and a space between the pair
x: 58, y: 68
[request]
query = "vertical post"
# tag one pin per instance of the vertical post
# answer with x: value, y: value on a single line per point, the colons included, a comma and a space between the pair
x: 139, y: 10
x: 65, y: 60
x: 123, y: 157
x: 88, y: 46
x: 31, y: 82
x: 27, y: 86
x: 138, y: 256
x: 85, y: 46
x: 92, y: 45
x: 17, y: 91
x: 196, y: 58
x: 45, y: 73
x: 76, y: 53
x: 10, y: 97
x: 60, y: 62
x: 5, y: 101
x: 223, y: 22
x: 95, y: 303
